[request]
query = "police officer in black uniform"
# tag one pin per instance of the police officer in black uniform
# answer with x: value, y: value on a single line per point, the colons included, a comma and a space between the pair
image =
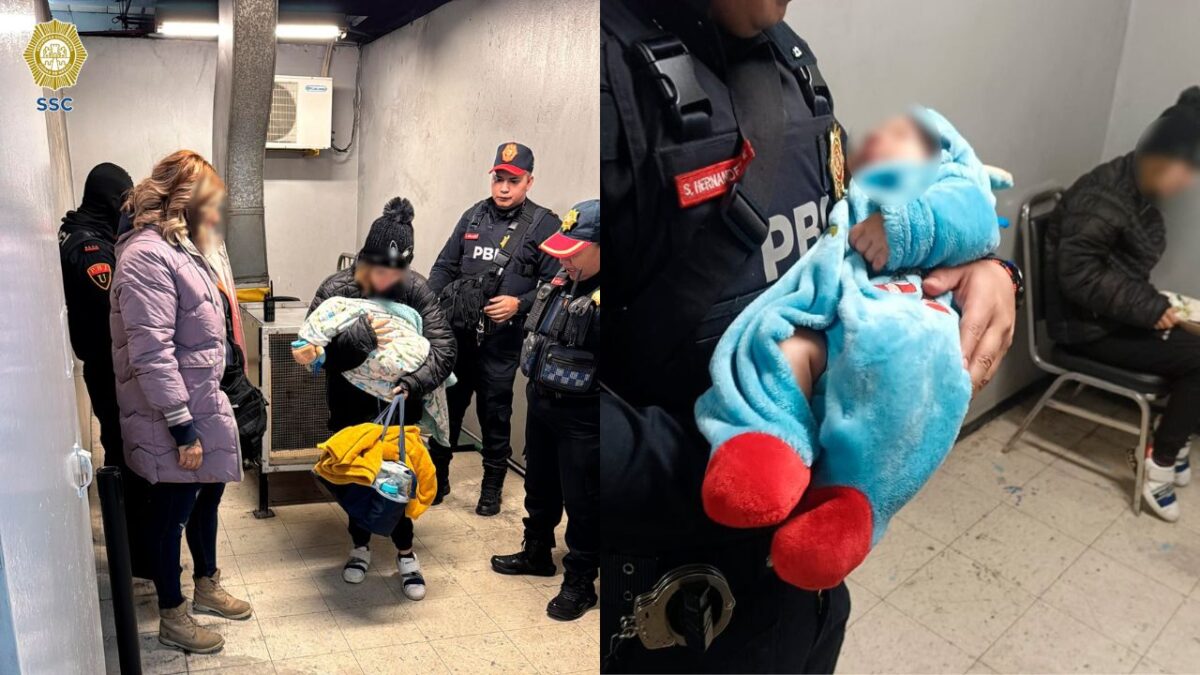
x: 486, y: 276
x: 86, y: 241
x: 562, y: 430
x: 720, y: 157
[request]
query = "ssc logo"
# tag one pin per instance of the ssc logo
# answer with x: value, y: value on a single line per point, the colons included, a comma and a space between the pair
x: 509, y: 152
x: 55, y: 54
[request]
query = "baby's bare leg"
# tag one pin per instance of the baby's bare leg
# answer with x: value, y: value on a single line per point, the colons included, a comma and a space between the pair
x: 806, y: 354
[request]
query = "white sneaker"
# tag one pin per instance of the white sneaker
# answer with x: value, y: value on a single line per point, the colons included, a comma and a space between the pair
x: 1183, y: 468
x: 413, y: 584
x: 355, y: 570
x: 1159, y: 490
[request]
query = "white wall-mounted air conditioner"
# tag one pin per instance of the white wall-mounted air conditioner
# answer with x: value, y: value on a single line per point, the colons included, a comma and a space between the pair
x: 301, y: 113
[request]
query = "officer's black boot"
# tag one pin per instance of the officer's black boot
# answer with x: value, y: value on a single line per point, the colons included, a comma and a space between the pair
x: 576, y: 596
x: 441, y: 463
x: 489, y: 492
x: 533, y: 559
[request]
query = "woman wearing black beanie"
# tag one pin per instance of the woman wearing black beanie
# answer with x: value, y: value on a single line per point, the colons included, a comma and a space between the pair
x: 381, y: 269
x: 1100, y: 250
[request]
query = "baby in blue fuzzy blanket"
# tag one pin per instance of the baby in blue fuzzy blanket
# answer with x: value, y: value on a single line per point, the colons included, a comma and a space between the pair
x: 839, y: 391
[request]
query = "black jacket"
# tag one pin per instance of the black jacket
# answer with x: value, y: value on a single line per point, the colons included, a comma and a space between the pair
x: 531, y: 265
x: 349, y: 405
x: 88, y: 259
x: 1099, y: 251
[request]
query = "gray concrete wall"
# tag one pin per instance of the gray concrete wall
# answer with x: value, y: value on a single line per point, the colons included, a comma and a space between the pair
x: 439, y: 95
x: 1160, y: 58
x: 1029, y: 83
x: 139, y: 100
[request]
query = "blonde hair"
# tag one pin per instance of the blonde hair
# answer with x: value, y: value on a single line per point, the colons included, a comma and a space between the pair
x: 178, y: 185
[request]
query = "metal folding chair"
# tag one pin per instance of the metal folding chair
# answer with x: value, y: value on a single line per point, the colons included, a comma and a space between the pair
x: 1142, y: 388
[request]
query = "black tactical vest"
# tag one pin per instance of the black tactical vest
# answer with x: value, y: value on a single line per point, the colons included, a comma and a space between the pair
x: 678, y: 120
x: 558, y: 353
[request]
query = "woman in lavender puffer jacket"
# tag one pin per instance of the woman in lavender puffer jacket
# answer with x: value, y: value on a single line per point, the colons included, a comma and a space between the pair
x: 169, y: 352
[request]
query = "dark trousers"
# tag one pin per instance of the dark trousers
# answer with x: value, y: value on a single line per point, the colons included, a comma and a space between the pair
x: 402, y: 536
x: 485, y: 371
x: 101, y: 387
x: 562, y: 466
x: 654, y: 462
x: 176, y: 508
x: 1174, y: 355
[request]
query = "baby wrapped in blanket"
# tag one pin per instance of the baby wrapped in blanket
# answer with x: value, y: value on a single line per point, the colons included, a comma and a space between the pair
x: 839, y: 391
x: 377, y: 375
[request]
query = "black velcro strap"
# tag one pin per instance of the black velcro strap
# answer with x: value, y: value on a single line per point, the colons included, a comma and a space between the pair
x: 667, y: 62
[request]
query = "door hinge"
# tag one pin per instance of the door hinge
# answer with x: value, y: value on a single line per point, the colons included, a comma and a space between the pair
x: 81, y: 464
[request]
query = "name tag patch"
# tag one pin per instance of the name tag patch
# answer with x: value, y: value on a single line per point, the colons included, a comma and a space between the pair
x: 710, y: 182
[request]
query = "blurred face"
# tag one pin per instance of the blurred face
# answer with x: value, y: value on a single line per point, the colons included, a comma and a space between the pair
x: 584, y: 264
x: 747, y: 18
x: 380, y: 279
x: 204, y: 217
x: 897, y: 139
x: 509, y: 190
x: 1164, y: 177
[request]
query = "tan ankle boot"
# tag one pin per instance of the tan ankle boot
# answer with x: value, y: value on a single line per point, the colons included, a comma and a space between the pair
x: 209, y: 597
x: 177, y: 628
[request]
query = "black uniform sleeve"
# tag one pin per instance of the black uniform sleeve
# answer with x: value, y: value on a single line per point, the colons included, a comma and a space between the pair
x: 1091, y: 229
x: 442, y: 346
x: 89, y: 301
x: 352, y: 346
x: 651, y: 477
x: 449, y: 262
x: 546, y: 265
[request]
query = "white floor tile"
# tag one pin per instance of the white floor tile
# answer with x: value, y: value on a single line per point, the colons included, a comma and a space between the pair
x: 1023, y: 549
x: 1046, y: 640
x: 1077, y: 508
x: 962, y: 601
x: 884, y: 640
x: 902, y: 551
x: 1114, y: 600
x: 1163, y: 551
x: 1178, y: 646
x: 490, y: 653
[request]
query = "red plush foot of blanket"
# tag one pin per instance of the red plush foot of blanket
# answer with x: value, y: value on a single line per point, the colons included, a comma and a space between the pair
x: 831, y: 536
x: 753, y: 480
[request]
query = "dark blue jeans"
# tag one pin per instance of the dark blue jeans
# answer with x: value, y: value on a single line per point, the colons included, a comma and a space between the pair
x: 174, y: 509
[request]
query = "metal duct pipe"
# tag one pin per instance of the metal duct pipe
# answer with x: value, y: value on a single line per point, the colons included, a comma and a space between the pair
x: 241, y: 113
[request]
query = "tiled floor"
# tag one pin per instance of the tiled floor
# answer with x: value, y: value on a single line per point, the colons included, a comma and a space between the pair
x: 1018, y: 563
x: 1031, y: 562
x: 307, y: 620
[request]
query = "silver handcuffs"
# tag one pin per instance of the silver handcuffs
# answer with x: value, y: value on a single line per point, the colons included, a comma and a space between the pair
x: 650, y: 622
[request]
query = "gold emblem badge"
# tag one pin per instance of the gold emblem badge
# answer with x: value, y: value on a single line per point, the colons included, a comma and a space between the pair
x: 55, y: 54
x: 570, y: 220
x: 509, y: 152
x: 837, y: 161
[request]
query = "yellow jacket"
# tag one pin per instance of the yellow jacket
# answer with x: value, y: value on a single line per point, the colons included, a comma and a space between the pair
x: 354, y: 455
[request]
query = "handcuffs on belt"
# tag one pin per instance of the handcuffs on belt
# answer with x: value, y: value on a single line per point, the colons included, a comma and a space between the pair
x: 688, y: 607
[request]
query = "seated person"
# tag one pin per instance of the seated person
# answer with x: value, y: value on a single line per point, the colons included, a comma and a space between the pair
x: 1107, y: 237
x: 403, y: 352
x: 871, y: 433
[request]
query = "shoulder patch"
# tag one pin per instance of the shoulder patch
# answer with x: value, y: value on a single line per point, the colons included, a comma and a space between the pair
x: 101, y: 275
x: 91, y: 248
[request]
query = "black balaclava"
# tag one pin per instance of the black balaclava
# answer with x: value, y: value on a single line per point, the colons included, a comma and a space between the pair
x: 103, y: 193
x: 1176, y: 133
